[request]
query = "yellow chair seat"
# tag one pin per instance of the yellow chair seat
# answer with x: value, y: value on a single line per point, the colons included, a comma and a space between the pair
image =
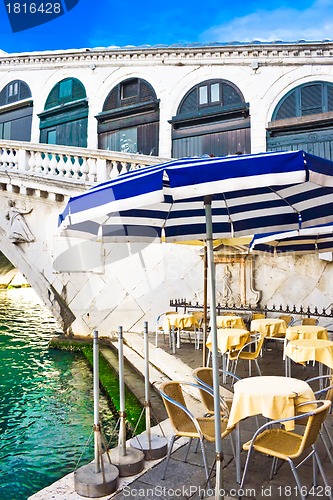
x: 278, y: 443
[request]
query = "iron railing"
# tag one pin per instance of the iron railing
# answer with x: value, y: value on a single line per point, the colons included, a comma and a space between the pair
x: 265, y: 309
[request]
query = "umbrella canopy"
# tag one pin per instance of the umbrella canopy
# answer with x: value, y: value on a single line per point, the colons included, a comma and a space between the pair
x: 251, y: 194
x: 309, y: 240
x: 202, y: 198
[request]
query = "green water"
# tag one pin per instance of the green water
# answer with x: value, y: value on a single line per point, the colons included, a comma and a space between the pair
x: 46, y: 404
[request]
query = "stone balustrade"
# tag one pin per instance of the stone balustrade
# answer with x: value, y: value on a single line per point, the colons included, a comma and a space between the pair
x: 67, y: 165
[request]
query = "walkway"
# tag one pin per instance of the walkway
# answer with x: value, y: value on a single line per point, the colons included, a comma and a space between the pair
x: 186, y: 480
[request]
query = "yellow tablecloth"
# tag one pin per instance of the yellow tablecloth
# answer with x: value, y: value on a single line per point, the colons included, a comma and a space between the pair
x: 270, y: 396
x: 306, y: 332
x: 229, y: 338
x: 271, y: 327
x: 230, y: 321
x: 303, y: 350
x: 179, y: 321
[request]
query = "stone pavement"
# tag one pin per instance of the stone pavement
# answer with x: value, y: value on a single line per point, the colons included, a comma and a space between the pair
x: 186, y: 480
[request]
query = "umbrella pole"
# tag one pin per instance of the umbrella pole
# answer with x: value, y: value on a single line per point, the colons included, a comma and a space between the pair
x: 97, y: 437
x: 129, y: 461
x: 215, y: 354
x: 204, y: 334
x: 152, y: 445
x: 122, y: 428
x: 96, y: 479
x: 147, y: 400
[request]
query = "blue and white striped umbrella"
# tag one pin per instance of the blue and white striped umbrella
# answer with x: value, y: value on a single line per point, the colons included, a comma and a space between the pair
x: 251, y: 194
x: 309, y: 240
x: 198, y: 198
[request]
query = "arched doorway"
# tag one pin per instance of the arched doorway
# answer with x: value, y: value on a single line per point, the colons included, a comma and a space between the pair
x: 212, y: 118
x: 65, y: 117
x: 16, y: 106
x: 303, y: 119
x: 129, y: 121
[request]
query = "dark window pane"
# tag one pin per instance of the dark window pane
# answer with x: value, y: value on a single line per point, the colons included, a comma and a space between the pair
x: 287, y: 108
x: 230, y: 96
x: 129, y: 89
x: 311, y: 99
x: 190, y: 103
x: 330, y: 98
x: 65, y: 88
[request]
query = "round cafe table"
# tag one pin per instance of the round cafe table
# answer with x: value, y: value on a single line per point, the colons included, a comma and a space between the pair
x: 179, y: 321
x: 306, y: 332
x: 303, y: 350
x: 271, y: 327
x: 273, y: 397
x: 297, y: 332
x: 228, y: 339
x: 230, y: 321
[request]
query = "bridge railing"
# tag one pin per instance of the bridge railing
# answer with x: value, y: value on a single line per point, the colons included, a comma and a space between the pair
x: 79, y: 165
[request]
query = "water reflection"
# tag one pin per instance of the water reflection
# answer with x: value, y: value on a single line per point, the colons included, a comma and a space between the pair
x: 46, y: 411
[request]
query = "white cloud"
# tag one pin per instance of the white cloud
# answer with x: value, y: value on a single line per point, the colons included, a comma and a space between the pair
x: 286, y: 24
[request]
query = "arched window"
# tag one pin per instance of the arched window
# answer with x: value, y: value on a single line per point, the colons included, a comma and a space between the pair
x: 212, y: 118
x: 308, y: 99
x: 15, y: 111
x: 65, y: 116
x: 129, y: 121
x: 303, y: 119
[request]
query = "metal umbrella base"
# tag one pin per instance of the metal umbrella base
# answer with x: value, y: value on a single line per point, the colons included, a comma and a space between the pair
x: 154, y: 448
x: 129, y: 463
x: 92, y: 484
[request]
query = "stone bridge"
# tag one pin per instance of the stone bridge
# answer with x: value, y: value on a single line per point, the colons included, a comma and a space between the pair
x: 88, y: 285
x: 72, y: 277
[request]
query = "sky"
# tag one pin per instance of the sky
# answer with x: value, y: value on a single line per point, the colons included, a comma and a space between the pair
x: 105, y: 23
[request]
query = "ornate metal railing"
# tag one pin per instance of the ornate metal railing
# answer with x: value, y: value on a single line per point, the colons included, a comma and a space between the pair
x: 247, y: 308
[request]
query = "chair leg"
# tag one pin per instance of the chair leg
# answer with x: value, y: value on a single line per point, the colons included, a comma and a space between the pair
x: 298, y: 483
x: 172, y: 440
x: 245, y: 468
x: 325, y: 426
x: 188, y: 449
x: 321, y: 469
x: 323, y: 438
x: 203, y: 451
x: 314, y: 472
x: 258, y: 367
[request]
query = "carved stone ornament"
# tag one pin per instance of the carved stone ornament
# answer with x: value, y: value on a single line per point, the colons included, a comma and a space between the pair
x: 19, y: 231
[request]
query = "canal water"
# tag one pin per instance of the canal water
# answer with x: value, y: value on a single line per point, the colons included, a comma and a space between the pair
x: 46, y: 400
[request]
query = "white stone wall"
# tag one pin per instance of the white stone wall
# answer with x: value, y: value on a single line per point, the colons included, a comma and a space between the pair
x: 112, y: 285
x: 172, y: 72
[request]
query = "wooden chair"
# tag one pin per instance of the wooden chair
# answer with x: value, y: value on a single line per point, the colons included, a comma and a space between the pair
x: 185, y: 424
x: 289, y: 446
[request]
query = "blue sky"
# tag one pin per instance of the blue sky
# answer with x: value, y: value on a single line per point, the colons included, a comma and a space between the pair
x: 103, y: 23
